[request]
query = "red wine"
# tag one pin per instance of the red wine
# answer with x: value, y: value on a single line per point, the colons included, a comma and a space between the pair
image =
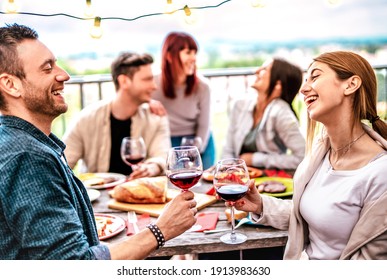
x: 232, y: 192
x: 133, y: 160
x: 185, y: 180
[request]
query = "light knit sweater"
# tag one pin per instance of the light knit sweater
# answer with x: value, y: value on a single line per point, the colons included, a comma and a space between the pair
x: 188, y: 115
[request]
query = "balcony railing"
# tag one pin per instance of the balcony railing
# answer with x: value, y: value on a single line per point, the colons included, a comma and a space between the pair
x: 226, y: 85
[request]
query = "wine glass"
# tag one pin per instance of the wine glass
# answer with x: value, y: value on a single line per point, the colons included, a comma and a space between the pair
x: 192, y: 141
x: 231, y: 180
x: 133, y: 151
x: 184, y: 166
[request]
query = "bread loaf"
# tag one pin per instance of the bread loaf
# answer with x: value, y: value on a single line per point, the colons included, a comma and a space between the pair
x: 142, y: 190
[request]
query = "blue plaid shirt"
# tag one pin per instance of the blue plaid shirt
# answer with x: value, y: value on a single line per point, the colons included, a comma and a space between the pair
x: 45, y: 212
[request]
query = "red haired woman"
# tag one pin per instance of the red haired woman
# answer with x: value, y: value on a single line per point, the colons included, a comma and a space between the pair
x: 184, y: 94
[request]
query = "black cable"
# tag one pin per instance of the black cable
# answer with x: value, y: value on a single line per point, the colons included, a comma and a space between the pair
x: 113, y: 18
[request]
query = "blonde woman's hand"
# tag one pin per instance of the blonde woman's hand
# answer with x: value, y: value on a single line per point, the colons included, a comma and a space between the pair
x: 251, y: 202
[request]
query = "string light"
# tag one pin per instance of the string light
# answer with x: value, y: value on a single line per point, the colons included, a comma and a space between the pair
x: 11, y: 7
x: 333, y: 2
x: 187, y: 11
x: 170, y: 7
x: 89, y: 9
x: 96, y: 31
x: 258, y: 3
x: 189, y: 17
x: 118, y: 18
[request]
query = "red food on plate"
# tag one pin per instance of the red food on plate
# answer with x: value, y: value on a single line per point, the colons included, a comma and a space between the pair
x: 108, y: 225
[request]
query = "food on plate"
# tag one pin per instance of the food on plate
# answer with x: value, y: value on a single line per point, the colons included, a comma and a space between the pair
x: 94, y: 182
x: 208, y: 174
x: 254, y: 172
x: 271, y: 187
x: 142, y: 190
x: 92, y: 179
x: 238, y: 214
x: 104, y: 226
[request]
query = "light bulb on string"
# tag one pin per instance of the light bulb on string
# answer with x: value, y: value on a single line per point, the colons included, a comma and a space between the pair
x: 189, y: 16
x: 11, y: 7
x: 334, y: 2
x: 89, y: 9
x: 96, y: 31
x: 258, y: 3
x: 169, y: 7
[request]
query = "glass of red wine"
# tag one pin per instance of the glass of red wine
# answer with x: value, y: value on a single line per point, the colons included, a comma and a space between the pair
x: 184, y: 166
x: 192, y: 141
x: 133, y: 151
x: 231, y: 180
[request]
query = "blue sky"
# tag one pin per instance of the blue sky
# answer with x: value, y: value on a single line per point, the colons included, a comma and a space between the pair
x: 235, y: 21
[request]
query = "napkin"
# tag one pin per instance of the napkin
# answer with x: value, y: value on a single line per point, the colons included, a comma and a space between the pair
x: 206, y: 220
x: 142, y: 221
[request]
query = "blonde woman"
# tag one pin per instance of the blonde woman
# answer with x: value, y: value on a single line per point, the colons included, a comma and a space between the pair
x: 339, y: 204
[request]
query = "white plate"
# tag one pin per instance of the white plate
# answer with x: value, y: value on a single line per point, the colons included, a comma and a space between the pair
x: 113, y: 225
x: 88, y: 178
x: 93, y: 194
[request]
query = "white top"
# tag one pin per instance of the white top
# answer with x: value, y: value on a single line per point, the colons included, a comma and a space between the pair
x: 332, y: 202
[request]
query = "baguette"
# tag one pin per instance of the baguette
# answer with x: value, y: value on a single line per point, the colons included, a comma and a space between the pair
x: 142, y: 190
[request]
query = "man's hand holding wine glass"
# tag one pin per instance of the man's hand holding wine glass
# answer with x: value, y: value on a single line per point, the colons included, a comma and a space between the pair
x: 175, y: 218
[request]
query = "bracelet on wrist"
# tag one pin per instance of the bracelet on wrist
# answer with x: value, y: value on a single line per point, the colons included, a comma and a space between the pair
x: 158, y: 235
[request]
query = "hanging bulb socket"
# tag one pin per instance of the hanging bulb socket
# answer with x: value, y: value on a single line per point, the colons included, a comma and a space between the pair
x: 187, y: 11
x: 96, y: 30
x: 190, y: 17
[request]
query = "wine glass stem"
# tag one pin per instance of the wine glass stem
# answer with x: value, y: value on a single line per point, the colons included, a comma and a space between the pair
x: 232, y: 236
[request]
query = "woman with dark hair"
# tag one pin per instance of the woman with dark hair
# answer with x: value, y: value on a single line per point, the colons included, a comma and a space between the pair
x: 265, y: 131
x: 184, y: 94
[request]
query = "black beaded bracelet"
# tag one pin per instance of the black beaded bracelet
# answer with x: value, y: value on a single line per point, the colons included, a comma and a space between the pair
x: 158, y: 235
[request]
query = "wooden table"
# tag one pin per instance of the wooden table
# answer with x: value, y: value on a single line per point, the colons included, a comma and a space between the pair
x: 197, y: 242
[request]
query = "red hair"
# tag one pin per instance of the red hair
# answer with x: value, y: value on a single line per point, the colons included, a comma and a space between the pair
x: 173, y: 44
